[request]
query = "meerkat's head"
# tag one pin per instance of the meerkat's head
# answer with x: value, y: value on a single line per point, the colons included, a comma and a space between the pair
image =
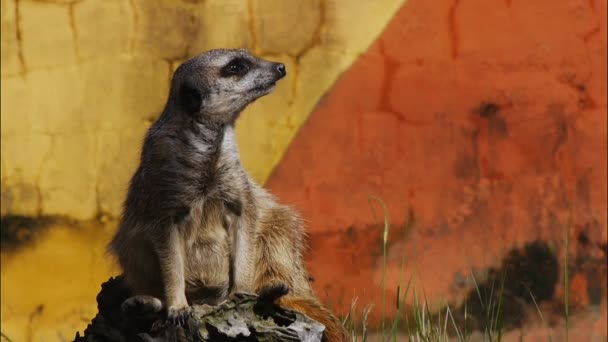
x: 219, y: 84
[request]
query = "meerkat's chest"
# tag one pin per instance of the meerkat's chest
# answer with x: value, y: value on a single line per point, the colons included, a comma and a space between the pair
x: 206, y: 247
x: 218, y: 248
x: 206, y: 227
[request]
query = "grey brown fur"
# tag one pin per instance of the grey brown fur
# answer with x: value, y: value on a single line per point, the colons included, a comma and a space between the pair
x: 195, y: 228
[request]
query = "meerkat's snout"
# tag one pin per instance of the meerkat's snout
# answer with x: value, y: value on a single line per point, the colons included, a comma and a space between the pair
x: 270, y: 73
x: 281, y: 70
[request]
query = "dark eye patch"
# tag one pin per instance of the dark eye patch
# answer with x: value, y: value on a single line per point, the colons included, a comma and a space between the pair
x: 237, y: 67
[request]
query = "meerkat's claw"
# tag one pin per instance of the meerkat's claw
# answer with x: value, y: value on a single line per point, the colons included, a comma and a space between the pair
x: 179, y: 316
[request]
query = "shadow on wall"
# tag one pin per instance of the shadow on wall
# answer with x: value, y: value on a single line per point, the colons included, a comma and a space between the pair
x: 19, y: 231
x: 527, y: 277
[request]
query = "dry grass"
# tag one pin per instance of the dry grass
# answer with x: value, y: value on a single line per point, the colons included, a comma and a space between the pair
x: 421, y: 322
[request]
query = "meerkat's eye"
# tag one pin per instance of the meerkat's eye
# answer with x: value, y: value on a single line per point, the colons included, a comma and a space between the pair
x: 236, y: 67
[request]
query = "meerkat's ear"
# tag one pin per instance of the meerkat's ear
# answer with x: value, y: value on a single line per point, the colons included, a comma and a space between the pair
x: 191, y: 97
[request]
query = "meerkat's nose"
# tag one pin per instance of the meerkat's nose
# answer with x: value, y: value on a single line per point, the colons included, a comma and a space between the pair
x: 280, y: 67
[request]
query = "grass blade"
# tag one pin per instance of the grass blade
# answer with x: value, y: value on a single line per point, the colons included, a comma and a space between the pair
x: 384, y: 247
x: 566, y: 276
x: 499, y: 313
x: 542, y: 318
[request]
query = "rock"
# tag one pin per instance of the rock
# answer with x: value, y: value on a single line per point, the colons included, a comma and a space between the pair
x: 243, y: 317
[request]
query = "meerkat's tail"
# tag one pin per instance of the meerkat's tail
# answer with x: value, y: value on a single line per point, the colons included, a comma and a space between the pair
x: 334, y: 331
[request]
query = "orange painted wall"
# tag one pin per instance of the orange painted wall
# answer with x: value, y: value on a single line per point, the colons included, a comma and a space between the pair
x: 486, y: 120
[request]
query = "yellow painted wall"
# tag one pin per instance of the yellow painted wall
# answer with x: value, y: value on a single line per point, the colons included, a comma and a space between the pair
x: 81, y: 82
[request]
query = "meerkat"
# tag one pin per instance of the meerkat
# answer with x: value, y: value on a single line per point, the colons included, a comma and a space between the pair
x: 195, y: 227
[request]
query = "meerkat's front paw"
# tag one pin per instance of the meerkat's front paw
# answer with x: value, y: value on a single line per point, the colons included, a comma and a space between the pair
x: 268, y: 297
x: 141, y: 305
x: 179, y: 315
x: 272, y: 292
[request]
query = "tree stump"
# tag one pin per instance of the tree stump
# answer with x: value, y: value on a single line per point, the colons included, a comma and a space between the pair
x: 243, y: 317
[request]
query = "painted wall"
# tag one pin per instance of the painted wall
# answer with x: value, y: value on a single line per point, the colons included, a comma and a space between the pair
x: 482, y: 126
x: 81, y: 82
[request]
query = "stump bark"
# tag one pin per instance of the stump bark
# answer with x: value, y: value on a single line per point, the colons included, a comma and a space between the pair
x: 244, y: 317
